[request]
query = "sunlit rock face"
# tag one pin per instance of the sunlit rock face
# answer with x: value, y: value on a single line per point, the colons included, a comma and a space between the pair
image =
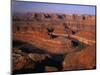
x: 44, y: 42
x: 84, y: 59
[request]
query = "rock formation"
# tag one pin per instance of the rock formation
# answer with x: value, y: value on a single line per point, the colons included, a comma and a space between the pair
x: 53, y: 42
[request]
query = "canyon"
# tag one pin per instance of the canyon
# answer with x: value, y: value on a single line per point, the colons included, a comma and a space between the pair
x: 56, y: 41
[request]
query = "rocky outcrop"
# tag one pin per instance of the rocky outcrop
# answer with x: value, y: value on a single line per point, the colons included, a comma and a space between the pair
x: 38, y: 57
x: 84, y: 59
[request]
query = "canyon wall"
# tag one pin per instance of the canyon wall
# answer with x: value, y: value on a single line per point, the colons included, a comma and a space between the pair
x: 59, y: 22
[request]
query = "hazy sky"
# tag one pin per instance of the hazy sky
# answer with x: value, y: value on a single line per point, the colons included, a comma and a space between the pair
x: 23, y: 6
